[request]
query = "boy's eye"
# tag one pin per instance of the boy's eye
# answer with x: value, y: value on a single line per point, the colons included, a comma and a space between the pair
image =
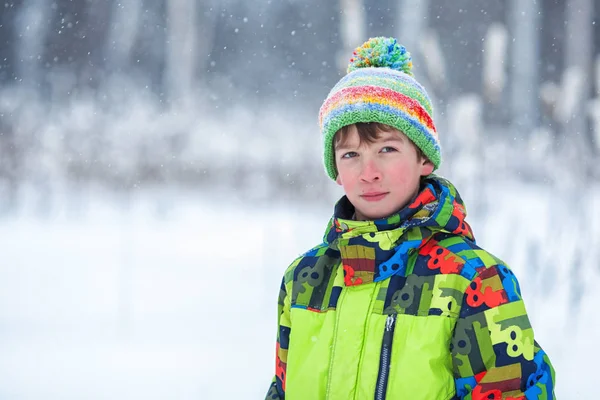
x: 388, y: 149
x: 350, y: 154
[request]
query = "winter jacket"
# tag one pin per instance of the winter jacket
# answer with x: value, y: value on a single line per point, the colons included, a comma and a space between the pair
x: 407, y: 307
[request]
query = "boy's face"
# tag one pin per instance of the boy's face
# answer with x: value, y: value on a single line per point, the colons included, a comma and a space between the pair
x: 379, y: 178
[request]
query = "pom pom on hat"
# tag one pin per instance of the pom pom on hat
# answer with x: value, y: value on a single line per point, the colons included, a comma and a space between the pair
x: 379, y: 87
x: 381, y: 52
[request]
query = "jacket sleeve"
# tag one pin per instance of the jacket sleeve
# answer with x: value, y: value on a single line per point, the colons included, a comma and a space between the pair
x: 277, y: 388
x: 493, y: 349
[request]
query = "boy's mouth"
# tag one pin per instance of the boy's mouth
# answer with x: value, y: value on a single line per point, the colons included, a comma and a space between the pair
x: 374, y: 196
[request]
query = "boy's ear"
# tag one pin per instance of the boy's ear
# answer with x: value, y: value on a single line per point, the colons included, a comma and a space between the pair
x: 338, y: 180
x: 427, y: 167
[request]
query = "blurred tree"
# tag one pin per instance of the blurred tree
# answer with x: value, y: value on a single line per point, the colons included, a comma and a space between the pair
x: 577, y: 133
x: 460, y: 32
x: 524, y: 54
x: 495, y: 63
x: 125, y: 21
x: 578, y: 61
x: 150, y: 47
x: 552, y: 35
x: 413, y: 20
x: 182, y: 46
x: 31, y: 26
x: 381, y: 17
x: 353, y: 29
x: 8, y: 41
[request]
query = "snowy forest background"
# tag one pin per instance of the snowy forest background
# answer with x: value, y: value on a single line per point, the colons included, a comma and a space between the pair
x: 160, y: 167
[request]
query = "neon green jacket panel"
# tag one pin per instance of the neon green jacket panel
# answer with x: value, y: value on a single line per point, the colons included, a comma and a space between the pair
x: 336, y: 354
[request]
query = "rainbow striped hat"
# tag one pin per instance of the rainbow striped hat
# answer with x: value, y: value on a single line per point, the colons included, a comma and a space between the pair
x: 380, y: 87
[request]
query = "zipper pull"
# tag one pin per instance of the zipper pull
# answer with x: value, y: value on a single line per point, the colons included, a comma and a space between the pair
x: 389, y: 322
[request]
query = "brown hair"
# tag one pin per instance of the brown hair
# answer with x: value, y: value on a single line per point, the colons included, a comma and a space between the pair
x: 369, y: 132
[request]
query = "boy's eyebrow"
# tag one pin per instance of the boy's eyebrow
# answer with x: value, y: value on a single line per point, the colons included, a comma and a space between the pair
x: 394, y: 139
x: 346, y: 146
x: 343, y: 146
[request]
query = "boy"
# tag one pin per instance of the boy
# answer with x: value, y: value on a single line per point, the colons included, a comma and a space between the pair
x: 398, y: 302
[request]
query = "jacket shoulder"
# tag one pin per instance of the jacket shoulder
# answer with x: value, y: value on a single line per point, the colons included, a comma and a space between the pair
x: 457, y: 254
x: 469, y: 251
x: 307, y: 279
x: 487, y: 282
x: 308, y: 259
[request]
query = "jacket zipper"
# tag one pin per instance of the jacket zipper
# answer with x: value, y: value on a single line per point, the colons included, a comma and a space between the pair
x: 384, y: 360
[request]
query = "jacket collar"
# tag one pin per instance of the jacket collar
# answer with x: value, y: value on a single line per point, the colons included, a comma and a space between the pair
x: 372, y: 251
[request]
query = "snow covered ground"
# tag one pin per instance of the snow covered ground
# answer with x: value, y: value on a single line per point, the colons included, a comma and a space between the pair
x: 173, y: 296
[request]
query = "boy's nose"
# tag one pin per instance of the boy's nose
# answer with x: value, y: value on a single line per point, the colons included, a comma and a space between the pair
x: 370, y: 172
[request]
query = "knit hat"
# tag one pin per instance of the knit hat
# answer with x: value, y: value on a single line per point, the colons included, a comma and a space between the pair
x: 380, y: 87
